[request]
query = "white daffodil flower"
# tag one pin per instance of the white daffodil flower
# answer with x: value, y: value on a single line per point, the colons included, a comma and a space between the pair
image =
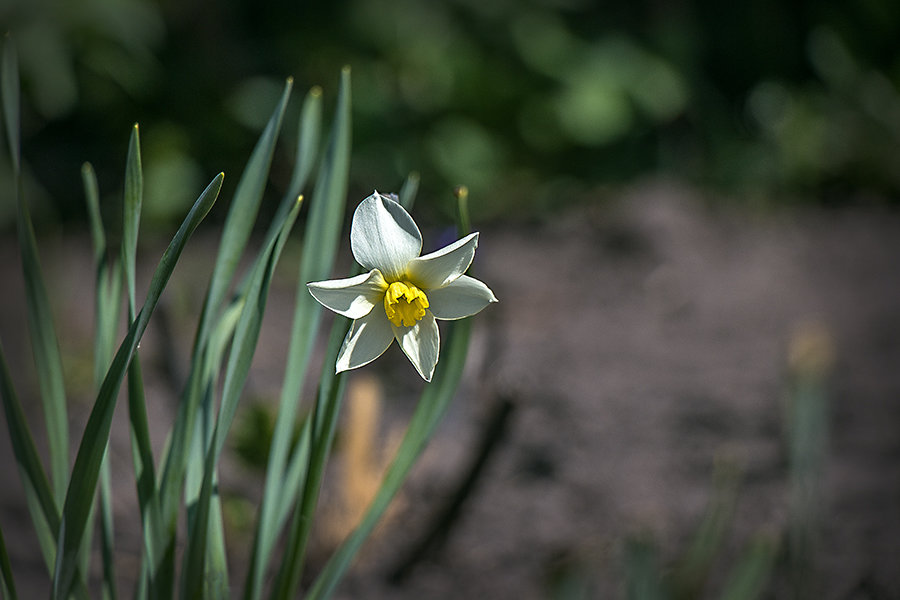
x: 402, y: 293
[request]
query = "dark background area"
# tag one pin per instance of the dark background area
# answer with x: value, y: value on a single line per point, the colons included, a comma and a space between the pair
x: 533, y: 104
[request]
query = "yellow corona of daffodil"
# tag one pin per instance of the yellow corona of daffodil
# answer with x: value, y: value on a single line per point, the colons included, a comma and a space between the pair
x: 402, y: 294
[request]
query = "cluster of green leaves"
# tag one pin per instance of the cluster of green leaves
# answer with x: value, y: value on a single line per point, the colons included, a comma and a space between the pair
x: 698, y: 570
x: 184, y: 480
x: 689, y: 576
x: 779, y: 560
x: 775, y: 562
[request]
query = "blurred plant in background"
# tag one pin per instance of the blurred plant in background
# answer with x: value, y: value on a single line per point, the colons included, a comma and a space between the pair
x: 532, y: 103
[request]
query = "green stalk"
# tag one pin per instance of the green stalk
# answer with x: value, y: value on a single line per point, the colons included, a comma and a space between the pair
x: 317, y: 261
x: 38, y: 496
x: 246, y: 335
x: 44, y: 342
x: 107, y: 296
x: 324, y: 419
x: 238, y: 226
x: 431, y: 408
x: 86, y: 470
x: 7, y: 582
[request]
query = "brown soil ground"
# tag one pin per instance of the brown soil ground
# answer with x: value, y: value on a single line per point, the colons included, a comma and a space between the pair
x: 634, y: 346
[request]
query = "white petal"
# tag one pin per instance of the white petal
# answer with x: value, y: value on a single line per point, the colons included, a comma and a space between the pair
x: 461, y: 298
x: 383, y: 236
x: 439, y: 268
x: 353, y: 297
x: 367, y: 339
x: 421, y: 344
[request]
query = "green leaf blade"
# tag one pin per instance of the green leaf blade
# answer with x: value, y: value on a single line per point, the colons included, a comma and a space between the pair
x: 85, y: 472
x: 429, y: 411
x: 24, y: 447
x: 324, y: 422
x: 45, y: 344
x: 107, y: 296
x: 319, y: 250
x: 238, y: 226
x: 307, y: 141
x: 95, y: 220
x: 131, y: 214
x: 748, y: 579
x: 9, y: 91
x: 38, y: 495
x: 242, y: 213
x: 7, y: 582
x: 246, y: 336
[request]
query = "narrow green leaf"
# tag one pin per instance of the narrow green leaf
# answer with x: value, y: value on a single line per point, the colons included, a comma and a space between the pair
x: 242, y: 214
x: 243, y: 347
x: 409, y: 190
x: 7, y: 581
x: 107, y: 532
x: 47, y: 358
x: 806, y: 446
x: 131, y: 214
x: 462, y: 202
x: 145, y: 477
x: 690, y: 573
x: 329, y: 197
x: 205, y: 576
x: 247, y: 305
x: 140, y: 585
x: 294, y: 476
x: 307, y: 142
x: 174, y: 465
x: 96, y: 434
x: 46, y: 536
x: 643, y: 579
x: 92, y: 199
x: 45, y: 345
x: 87, y: 541
x: 320, y: 244
x: 142, y: 454
x: 108, y: 281
x: 324, y: 422
x: 238, y: 225
x: 748, y: 579
x: 429, y: 411
x: 246, y: 334
x: 193, y: 584
x: 9, y: 90
x: 219, y: 339
x: 107, y: 296
x: 38, y: 496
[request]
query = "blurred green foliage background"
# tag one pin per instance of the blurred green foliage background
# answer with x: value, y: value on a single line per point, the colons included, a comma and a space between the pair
x: 533, y: 104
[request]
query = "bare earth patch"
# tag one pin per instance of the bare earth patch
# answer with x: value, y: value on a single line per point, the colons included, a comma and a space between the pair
x: 634, y: 344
